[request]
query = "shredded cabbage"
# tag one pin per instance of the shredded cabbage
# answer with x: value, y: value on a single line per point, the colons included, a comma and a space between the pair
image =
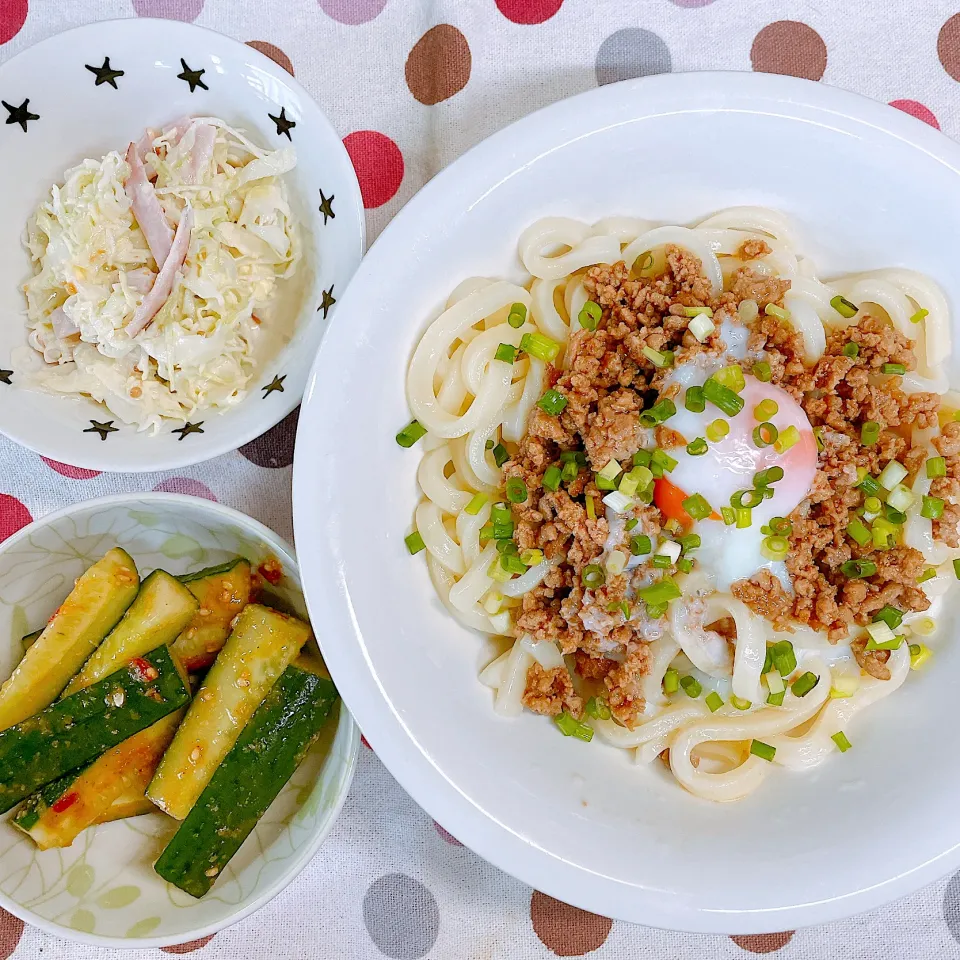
x: 94, y: 268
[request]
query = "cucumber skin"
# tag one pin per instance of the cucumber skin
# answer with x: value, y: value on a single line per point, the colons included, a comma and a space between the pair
x: 266, y: 755
x: 79, y: 728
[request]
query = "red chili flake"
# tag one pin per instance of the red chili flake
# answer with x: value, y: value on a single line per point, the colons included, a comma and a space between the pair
x: 142, y: 670
x: 65, y: 802
x: 271, y: 571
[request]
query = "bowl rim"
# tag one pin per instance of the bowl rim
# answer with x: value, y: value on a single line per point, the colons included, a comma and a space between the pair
x: 353, y: 204
x: 420, y: 773
x: 307, y: 852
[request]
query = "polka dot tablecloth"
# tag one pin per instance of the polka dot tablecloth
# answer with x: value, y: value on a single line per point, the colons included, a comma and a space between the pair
x: 410, y: 84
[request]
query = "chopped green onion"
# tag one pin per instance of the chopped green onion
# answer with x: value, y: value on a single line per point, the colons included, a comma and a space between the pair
x: 776, y: 699
x: 870, y: 433
x: 589, y: 316
x: 691, y: 686
x: 656, y: 610
x: 569, y: 472
x: 663, y: 591
x: 858, y: 532
x: 552, y: 477
x: 731, y: 377
x: 772, y: 310
x: 768, y: 660
x: 640, y: 545
x: 872, y: 504
x: 597, y: 708
x: 936, y: 467
x: 476, y: 504
x: 591, y: 508
x: 539, y: 346
x: 498, y: 573
x: 804, y: 684
x: 898, y: 369
x: 818, y: 436
x: 927, y: 574
x: 775, y: 548
x: 781, y: 526
x: 697, y: 311
x: 851, y: 350
x: 893, y: 644
x: 486, y: 532
x: 689, y: 542
x: 552, y: 402
x: 643, y: 263
x: 593, y: 576
x: 762, y: 371
x: 740, y: 704
x: 668, y: 357
x: 924, y: 626
x: 775, y: 682
x: 920, y: 653
x: 512, y: 564
x: 717, y: 430
x: 655, y: 357
x: 899, y: 500
x: 747, y: 499
x: 685, y: 564
x: 618, y: 502
x: 723, y: 397
x: 701, y: 326
x: 784, y: 657
x: 414, y: 542
x: 693, y: 400
x: 506, y: 352
x: 629, y: 483
x: 729, y: 515
x: 661, y: 411
x: 517, y: 316
x: 641, y: 458
x: 744, y: 517
x: 697, y: 507
x: 844, y: 307
x: 880, y: 631
x: 869, y: 485
x: 956, y: 569
x: 631, y: 523
x: 858, y: 568
x: 500, y: 513
x: 892, y: 474
x: 932, y: 508
x: 663, y: 460
x: 516, y: 490
x: 764, y: 434
x: 531, y: 557
x: 671, y: 681
x: 488, y: 445
x: 714, y: 701
x: 882, y: 532
x: 697, y: 448
x: 500, y: 454
x: 766, y: 409
x: 611, y: 471
x: 757, y: 747
x: 508, y: 546
x: 891, y: 616
x: 840, y: 739
x: 919, y: 315
x: 571, y: 727
x: 662, y: 562
x: 411, y: 433
x: 787, y: 439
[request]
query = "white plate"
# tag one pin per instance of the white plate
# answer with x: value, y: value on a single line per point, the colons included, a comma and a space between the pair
x: 868, y: 187
x: 79, y: 118
x: 103, y: 890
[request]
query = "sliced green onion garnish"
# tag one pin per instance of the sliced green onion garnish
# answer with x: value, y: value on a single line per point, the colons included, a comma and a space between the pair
x: 697, y: 448
x: 640, y: 545
x: 761, y: 370
x: 552, y: 402
x: 414, y: 542
x: 655, y: 357
x: 757, y: 747
x: 662, y: 562
x: 730, y: 377
x: 512, y: 564
x: 927, y: 574
x: 746, y: 498
x: 569, y: 472
x: 858, y: 532
x: 744, y: 517
x: 844, y: 307
x: 840, y: 739
x: 506, y: 352
x: 818, y: 436
x: 936, y: 467
x: 589, y: 316
x: 781, y: 526
x: 671, y: 681
x: 932, y: 508
x: 701, y: 326
x: 869, y: 485
x: 763, y: 478
x: 693, y: 400
x: 717, y: 430
x: 775, y: 548
x: 723, y: 397
x: 713, y: 701
x: 500, y: 454
x: 411, y: 433
x: 697, y: 507
x: 689, y: 542
x: 591, y: 508
x: 729, y: 515
x: 661, y: 411
x: 772, y: 310
x: 764, y: 434
x: 571, y: 727
x: 851, y: 350
x: 804, y: 684
x: 787, y: 439
x: 643, y: 263
x: 739, y: 704
x: 663, y: 591
x: 776, y: 699
x: 531, y: 557
x: 486, y: 532
x: 698, y: 311
x: 870, y: 433
x: 503, y: 530
x: 872, y: 504
x: 920, y: 653
x: 685, y: 564
x: 610, y: 471
x: 641, y: 458
x: 919, y: 315
x: 691, y: 686
x: 766, y: 409
x: 956, y: 569
x: 500, y: 513
x: 858, y: 568
x: 775, y: 682
x: 631, y: 523
x: 593, y: 576
x: 516, y: 490
x: 508, y: 546
x: 539, y: 346
x: 784, y: 658
x: 891, y: 616
x: 597, y: 708
x: 897, y: 369
x: 552, y: 477
x: 899, y: 500
x: 663, y: 460
x: 478, y: 502
x: 517, y: 315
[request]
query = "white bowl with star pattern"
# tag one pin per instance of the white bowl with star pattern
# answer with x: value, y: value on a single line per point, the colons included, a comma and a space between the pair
x: 102, y: 890
x: 94, y: 89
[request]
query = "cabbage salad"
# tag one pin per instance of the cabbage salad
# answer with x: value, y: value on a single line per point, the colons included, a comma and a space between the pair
x: 154, y: 267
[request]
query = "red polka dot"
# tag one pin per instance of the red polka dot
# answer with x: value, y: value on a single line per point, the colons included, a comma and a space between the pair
x: 11, y: 930
x: 187, y: 485
x: 529, y: 11
x: 74, y: 473
x: 14, y: 516
x: 365, y: 742
x: 449, y: 837
x: 379, y: 165
x: 916, y: 109
x: 13, y: 13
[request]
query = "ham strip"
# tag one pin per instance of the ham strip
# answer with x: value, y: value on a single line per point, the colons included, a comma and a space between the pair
x: 201, y: 153
x: 63, y: 326
x: 147, y: 209
x: 140, y: 279
x: 163, y: 285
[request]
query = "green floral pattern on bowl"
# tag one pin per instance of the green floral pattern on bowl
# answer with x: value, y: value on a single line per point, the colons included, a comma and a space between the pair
x: 103, y: 888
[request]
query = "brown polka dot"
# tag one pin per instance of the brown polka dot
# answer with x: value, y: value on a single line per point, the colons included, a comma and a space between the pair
x: 189, y: 947
x: 790, y: 48
x: 11, y: 930
x: 567, y: 931
x: 274, y: 448
x: 763, y: 942
x: 273, y: 52
x: 438, y: 65
x: 948, y: 46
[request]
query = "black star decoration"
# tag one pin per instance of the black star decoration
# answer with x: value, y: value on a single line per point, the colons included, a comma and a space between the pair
x: 105, y: 74
x: 328, y: 301
x: 102, y: 428
x: 189, y: 428
x: 276, y: 385
x: 20, y: 114
x: 193, y: 77
x: 284, y: 125
x: 326, y: 207
x: 5, y: 376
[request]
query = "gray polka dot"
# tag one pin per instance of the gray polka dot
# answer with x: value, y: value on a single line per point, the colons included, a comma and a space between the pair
x: 630, y: 53
x: 951, y: 906
x: 401, y: 916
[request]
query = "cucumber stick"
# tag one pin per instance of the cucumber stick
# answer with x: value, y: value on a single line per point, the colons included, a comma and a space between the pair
x: 77, y: 729
x: 265, y: 756
x: 94, y: 606
x: 56, y: 814
x: 262, y: 645
x: 222, y: 593
x: 132, y: 803
x: 162, y: 609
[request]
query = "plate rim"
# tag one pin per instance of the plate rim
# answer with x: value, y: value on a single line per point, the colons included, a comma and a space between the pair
x: 328, y: 596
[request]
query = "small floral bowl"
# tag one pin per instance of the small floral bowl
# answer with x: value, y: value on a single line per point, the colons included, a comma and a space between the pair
x: 102, y: 890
